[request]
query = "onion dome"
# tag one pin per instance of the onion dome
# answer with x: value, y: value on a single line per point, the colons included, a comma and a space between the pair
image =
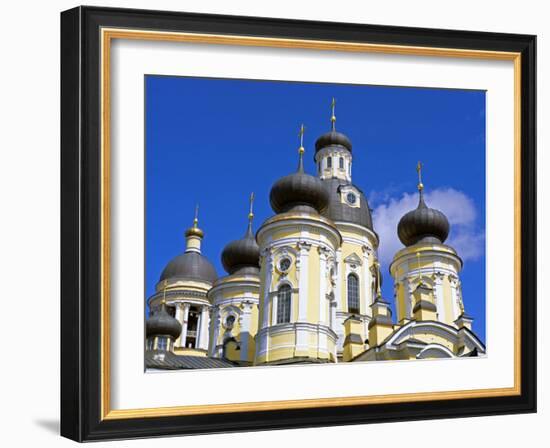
x: 333, y: 138
x: 423, y: 224
x: 162, y: 324
x: 191, y: 265
x: 243, y: 256
x: 299, y: 191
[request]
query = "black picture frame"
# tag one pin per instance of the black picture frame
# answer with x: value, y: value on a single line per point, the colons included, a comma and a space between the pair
x: 81, y: 227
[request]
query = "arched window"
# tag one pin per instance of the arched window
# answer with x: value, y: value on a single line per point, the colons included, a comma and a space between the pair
x: 341, y: 162
x: 353, y: 294
x: 283, y: 304
x: 329, y: 162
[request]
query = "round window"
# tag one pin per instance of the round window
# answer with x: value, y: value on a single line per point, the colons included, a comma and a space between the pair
x: 284, y: 264
x: 351, y: 198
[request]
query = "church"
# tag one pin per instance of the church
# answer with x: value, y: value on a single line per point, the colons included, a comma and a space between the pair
x: 306, y: 286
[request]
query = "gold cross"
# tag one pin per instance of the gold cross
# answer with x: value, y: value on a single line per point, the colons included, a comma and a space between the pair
x: 333, y: 117
x: 419, y: 166
x: 301, y: 135
x: 196, y: 219
x: 251, y: 212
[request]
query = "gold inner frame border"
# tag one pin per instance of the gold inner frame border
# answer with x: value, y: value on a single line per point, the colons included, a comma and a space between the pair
x: 107, y: 35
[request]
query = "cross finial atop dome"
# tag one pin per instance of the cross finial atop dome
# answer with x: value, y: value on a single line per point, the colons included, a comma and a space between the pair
x: 301, y: 149
x: 196, y: 219
x: 194, y: 234
x: 333, y: 116
x: 250, y: 215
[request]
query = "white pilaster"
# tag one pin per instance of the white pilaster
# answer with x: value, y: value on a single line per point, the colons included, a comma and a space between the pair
x: 245, y: 328
x: 453, y: 280
x: 303, y: 278
x: 264, y: 304
x: 323, y: 277
x: 368, y: 297
x: 439, y: 299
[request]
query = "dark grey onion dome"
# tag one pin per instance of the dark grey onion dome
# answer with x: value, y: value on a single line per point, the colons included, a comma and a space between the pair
x: 242, y: 256
x: 298, y: 191
x: 333, y: 138
x: 423, y: 224
x: 189, y: 265
x: 340, y: 211
x: 162, y: 324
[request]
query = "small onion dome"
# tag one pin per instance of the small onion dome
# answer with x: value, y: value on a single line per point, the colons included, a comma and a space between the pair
x: 333, y: 138
x: 189, y: 265
x: 194, y: 231
x: 162, y: 324
x: 424, y: 224
x: 242, y: 255
x: 299, y: 191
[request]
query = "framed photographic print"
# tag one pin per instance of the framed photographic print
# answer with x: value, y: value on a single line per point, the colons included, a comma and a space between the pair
x: 276, y: 224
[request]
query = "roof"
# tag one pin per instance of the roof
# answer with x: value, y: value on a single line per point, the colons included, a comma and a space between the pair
x: 340, y: 211
x: 162, y: 360
x: 190, y: 265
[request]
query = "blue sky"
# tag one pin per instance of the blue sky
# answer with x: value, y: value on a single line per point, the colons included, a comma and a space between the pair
x: 213, y: 141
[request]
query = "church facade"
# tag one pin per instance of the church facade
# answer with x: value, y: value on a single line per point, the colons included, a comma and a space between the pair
x: 306, y: 287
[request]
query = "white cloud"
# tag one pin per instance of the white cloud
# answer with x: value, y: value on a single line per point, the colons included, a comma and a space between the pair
x: 465, y: 237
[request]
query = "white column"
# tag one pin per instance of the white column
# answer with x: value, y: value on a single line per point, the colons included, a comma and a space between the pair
x: 179, y: 318
x: 183, y: 337
x: 303, y: 279
x: 203, y: 329
x: 215, y: 328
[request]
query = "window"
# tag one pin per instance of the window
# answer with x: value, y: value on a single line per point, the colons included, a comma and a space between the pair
x: 283, y: 304
x: 341, y: 163
x: 329, y: 162
x: 351, y: 198
x: 353, y: 294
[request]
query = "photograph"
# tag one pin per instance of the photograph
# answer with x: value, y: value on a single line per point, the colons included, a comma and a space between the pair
x: 312, y: 223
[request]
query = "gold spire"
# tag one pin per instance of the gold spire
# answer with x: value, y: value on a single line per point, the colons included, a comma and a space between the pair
x: 333, y: 117
x: 195, y: 231
x: 196, y: 219
x: 301, y: 149
x: 249, y: 232
x: 251, y: 210
x: 420, y: 185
